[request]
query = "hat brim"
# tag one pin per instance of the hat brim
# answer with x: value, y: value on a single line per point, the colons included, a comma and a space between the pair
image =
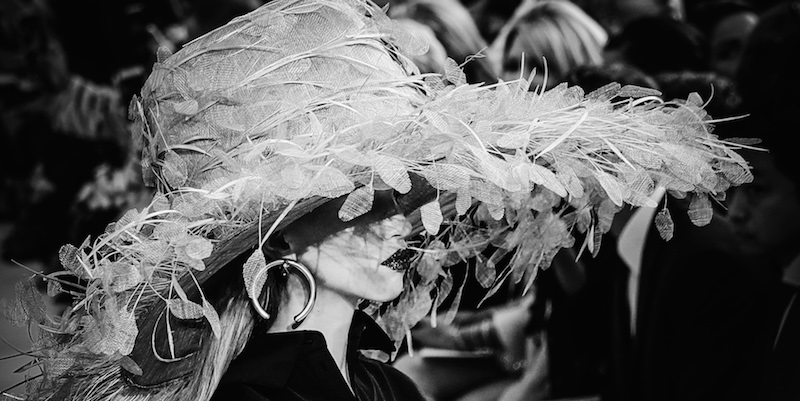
x: 305, y: 214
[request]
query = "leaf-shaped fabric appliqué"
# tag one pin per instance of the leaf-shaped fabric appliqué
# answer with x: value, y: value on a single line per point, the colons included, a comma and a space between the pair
x: 664, y: 224
x: 453, y: 72
x: 69, y: 257
x: 541, y: 175
x: 432, y: 217
x: 393, y: 172
x: 123, y: 276
x: 446, y: 177
x: 174, y: 170
x: 185, y: 309
x: 357, y: 203
x: 700, y: 211
x: 199, y: 248
x: 255, y: 263
x: 212, y: 317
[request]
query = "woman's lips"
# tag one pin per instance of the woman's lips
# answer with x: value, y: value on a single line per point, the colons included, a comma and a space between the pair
x: 400, y: 260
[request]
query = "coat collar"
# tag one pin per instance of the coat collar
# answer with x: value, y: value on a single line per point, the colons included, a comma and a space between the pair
x: 269, y: 358
x: 791, y: 274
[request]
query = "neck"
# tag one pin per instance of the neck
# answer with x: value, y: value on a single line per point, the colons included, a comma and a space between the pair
x: 332, y: 316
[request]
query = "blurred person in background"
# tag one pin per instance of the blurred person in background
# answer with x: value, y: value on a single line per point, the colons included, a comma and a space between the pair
x: 613, y: 15
x: 433, y: 60
x: 629, y: 10
x: 455, y: 29
x: 685, y: 311
x: 553, y: 37
x: 767, y: 76
x: 591, y: 77
x: 543, y: 345
x: 566, y: 37
x: 58, y: 127
x: 658, y: 45
x: 718, y: 92
x: 766, y: 214
x: 727, y: 25
x: 71, y: 163
x: 491, y: 15
x: 689, y: 309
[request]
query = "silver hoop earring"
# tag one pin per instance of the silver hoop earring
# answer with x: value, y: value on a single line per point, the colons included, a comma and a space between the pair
x: 285, y: 264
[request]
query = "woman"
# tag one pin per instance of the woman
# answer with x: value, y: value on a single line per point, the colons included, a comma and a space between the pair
x: 284, y: 148
x: 367, y: 261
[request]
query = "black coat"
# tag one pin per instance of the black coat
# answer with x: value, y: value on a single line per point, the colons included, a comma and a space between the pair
x: 700, y: 320
x: 297, y: 366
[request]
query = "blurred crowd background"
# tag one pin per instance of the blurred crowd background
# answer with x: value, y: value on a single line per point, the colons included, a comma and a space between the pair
x: 68, y: 166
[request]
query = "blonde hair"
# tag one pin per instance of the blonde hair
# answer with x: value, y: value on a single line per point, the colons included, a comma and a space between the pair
x: 455, y: 29
x: 432, y: 60
x: 236, y: 322
x: 557, y: 31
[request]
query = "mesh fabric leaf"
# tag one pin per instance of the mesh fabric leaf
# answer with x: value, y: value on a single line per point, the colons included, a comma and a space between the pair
x: 614, y: 189
x: 115, y: 333
x: 357, y: 203
x: 393, y: 172
x: 430, y: 264
x: 252, y: 266
x: 700, y: 211
x: 175, y: 170
x: 432, y: 216
x: 485, y: 275
x: 129, y: 365
x: 453, y: 72
x: 212, y: 317
x: 184, y: 309
x: 199, y: 248
x: 68, y: 256
x: 123, y: 276
x: 664, y: 224
x: 53, y: 288
x: 542, y: 176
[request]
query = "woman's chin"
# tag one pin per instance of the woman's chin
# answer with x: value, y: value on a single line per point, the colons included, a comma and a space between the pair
x: 382, y: 299
x: 390, y: 289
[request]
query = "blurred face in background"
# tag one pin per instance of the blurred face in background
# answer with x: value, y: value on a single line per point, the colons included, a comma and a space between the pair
x: 553, y: 35
x: 519, y: 57
x: 728, y: 39
x: 629, y: 10
x: 765, y: 214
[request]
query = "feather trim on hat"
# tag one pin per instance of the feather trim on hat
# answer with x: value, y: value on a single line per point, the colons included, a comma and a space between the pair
x: 255, y: 123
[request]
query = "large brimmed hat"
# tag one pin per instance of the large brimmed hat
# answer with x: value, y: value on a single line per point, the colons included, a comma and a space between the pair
x: 258, y: 123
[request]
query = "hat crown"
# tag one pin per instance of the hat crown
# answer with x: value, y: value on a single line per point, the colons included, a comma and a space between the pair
x: 261, y: 108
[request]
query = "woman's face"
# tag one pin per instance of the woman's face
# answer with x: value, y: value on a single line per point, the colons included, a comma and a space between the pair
x: 728, y: 39
x: 350, y: 262
x: 766, y: 213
